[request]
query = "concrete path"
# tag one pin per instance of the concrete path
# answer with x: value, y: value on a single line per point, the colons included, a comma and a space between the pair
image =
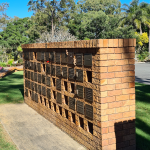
x: 31, y: 131
x: 142, y: 73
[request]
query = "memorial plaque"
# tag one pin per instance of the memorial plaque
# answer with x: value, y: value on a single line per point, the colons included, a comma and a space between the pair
x: 28, y: 74
x: 53, y: 70
x: 79, y: 75
x: 52, y: 54
x: 58, y: 84
x: 42, y: 56
x: 39, y: 67
x: 47, y: 68
x: 31, y: 55
x: 32, y: 96
x: 35, y: 67
x: 26, y: 65
x: 89, y: 111
x: 79, y: 59
x: 79, y: 91
x: 32, y: 77
x: 26, y: 92
x: 64, y: 72
x: 71, y: 73
x: 43, y: 91
x: 72, y: 103
x: 32, y: 86
x: 80, y: 107
x: 48, y: 82
x: 47, y: 56
x: 43, y: 79
x: 59, y: 98
x: 70, y: 58
x: 64, y: 58
x: 29, y: 65
x: 58, y: 58
x: 35, y: 77
x: 89, y: 94
x: 39, y: 78
x: 26, y: 83
x: 35, y: 87
x: 29, y: 84
x: 58, y: 71
x: 38, y: 56
x: 39, y: 89
x: 48, y: 93
x: 36, y: 97
x: 88, y: 59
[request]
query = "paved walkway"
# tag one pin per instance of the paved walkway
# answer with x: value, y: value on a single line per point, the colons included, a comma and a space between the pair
x: 31, y: 131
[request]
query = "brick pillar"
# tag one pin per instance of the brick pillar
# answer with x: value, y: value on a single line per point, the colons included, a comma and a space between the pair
x: 117, y: 94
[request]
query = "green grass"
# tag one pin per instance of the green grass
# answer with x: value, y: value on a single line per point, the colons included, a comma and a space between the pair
x: 143, y: 116
x: 11, y: 88
x: 5, y: 142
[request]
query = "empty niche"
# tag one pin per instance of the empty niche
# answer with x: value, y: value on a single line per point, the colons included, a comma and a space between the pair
x: 53, y: 81
x: 60, y: 110
x: 41, y: 99
x: 66, y: 99
x: 90, y: 127
x: 89, y: 76
x: 35, y: 55
x: 30, y: 94
x: 49, y: 104
x: 73, y: 117
x: 54, y: 94
x: 66, y: 113
x: 72, y: 87
x: 45, y: 101
x: 54, y: 107
x: 81, y: 122
x: 66, y: 87
x: 44, y: 67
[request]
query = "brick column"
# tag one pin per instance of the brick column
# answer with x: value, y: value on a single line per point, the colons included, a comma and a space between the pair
x: 117, y: 94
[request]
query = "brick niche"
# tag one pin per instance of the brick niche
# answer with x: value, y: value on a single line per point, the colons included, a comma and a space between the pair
x: 86, y: 88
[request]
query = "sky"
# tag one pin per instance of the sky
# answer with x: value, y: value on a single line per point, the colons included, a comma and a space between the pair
x: 19, y: 8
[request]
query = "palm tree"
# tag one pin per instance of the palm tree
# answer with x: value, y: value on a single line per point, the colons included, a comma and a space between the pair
x: 138, y: 15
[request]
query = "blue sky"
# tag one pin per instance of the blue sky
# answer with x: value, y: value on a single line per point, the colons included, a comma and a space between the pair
x: 19, y: 8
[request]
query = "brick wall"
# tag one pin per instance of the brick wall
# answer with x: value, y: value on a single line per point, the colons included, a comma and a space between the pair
x: 91, y: 92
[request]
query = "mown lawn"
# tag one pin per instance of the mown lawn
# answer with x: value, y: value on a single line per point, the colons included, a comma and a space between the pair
x: 11, y: 88
x: 143, y: 116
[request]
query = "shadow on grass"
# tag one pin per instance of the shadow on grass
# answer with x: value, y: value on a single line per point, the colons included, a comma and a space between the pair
x: 11, y: 88
x: 142, y: 116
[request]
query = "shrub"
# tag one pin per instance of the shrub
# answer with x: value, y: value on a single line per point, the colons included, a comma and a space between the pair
x: 10, y: 62
x: 20, y: 61
x: 143, y: 56
x: 3, y: 64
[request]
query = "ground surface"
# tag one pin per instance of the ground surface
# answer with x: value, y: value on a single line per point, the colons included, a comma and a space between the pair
x: 31, y: 131
x: 142, y: 73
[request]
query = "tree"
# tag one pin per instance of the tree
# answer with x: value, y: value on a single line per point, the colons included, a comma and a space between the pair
x: 15, y: 34
x: 3, y: 16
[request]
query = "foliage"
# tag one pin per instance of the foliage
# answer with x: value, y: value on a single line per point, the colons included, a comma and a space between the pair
x: 143, y: 56
x: 20, y: 61
x: 10, y: 62
x: 3, y: 64
x: 59, y: 35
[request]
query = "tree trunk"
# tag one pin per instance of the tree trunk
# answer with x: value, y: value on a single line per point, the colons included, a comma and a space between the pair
x: 52, y: 28
x: 140, y: 29
x: 149, y: 40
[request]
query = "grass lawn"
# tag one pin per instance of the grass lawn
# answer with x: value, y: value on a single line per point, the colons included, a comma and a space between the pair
x: 143, y: 116
x: 11, y: 88
x: 11, y: 91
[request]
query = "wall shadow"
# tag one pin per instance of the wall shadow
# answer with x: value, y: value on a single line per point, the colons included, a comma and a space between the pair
x: 125, y: 135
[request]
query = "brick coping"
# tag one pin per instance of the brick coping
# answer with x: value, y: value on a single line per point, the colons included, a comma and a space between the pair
x: 95, y: 43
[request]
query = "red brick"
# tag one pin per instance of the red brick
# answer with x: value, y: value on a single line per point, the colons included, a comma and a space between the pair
x: 128, y: 103
x: 122, y: 109
x: 104, y: 130
x: 134, y: 42
x: 132, y: 85
x: 111, y: 129
x: 115, y: 104
x: 107, y: 50
x: 122, y: 86
x: 114, y: 92
x: 107, y: 63
x: 131, y: 49
x: 132, y: 96
x: 108, y: 135
x: 128, y: 67
x: 128, y: 91
x: 122, y: 97
x: 131, y: 42
x: 128, y: 55
x: 131, y: 73
x: 111, y: 42
x: 107, y: 75
x: 114, y: 68
x: 108, y: 99
x: 104, y: 142
x: 114, y: 80
x: 105, y: 43
x: 115, y: 116
x: 116, y: 42
x: 112, y: 141
x: 121, y: 74
x: 128, y: 79
x: 107, y: 87
x: 114, y: 56
x: 126, y: 42
x: 129, y: 114
x: 121, y: 62
x: 121, y: 43
x: 103, y: 82
x: 108, y: 111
